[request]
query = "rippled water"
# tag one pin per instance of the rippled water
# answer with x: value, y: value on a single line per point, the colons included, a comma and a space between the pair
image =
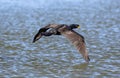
x: 55, y: 57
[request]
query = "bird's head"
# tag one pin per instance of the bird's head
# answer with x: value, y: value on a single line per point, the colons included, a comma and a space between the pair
x: 73, y: 26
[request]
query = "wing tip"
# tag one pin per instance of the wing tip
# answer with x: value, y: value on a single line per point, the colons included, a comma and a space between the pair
x: 37, y: 37
x: 87, y: 59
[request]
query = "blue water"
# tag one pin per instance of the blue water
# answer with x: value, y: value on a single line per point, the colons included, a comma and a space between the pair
x: 55, y: 57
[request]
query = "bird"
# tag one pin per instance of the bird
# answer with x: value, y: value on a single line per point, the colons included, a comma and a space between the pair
x: 66, y: 30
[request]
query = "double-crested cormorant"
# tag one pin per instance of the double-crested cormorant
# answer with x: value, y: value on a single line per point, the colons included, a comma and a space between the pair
x: 62, y: 29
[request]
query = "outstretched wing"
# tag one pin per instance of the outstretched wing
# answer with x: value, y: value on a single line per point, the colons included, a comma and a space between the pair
x: 39, y: 35
x: 44, y: 29
x: 78, y: 41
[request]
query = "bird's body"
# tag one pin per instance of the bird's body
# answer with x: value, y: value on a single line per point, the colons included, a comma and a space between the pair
x: 62, y: 29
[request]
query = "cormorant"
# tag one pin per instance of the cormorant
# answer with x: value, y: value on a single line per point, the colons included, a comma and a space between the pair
x: 62, y: 29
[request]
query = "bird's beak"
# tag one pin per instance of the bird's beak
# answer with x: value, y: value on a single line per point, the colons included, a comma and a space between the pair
x: 37, y: 37
x: 78, y: 26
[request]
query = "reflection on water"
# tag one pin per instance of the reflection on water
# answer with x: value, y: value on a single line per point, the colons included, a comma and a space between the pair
x: 53, y: 56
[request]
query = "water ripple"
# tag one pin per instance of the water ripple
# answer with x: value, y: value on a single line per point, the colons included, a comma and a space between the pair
x: 54, y: 56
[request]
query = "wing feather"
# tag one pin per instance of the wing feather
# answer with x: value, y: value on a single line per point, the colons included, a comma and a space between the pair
x: 78, y: 41
x: 44, y: 29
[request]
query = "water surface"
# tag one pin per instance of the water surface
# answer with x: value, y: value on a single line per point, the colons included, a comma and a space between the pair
x: 55, y: 57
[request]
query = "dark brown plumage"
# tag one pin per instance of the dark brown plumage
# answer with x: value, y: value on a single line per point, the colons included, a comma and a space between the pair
x: 62, y: 29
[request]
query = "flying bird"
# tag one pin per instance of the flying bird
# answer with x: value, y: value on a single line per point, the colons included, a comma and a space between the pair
x: 66, y: 30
